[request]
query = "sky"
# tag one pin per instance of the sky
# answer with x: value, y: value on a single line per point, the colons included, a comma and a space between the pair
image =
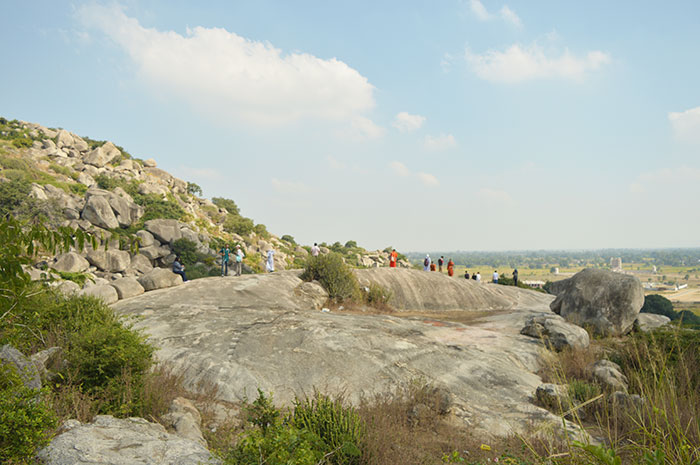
x: 451, y: 125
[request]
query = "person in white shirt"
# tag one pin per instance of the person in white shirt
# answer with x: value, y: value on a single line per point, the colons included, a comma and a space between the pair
x: 478, y: 276
x: 239, y: 260
x: 495, y: 276
x: 315, y: 250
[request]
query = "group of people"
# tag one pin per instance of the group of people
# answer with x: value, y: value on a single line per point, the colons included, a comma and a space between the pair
x: 225, y: 254
x: 429, y: 265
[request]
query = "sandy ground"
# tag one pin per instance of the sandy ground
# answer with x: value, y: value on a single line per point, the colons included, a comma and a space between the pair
x: 684, y: 295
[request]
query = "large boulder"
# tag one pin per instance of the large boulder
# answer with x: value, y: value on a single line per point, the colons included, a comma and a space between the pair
x: 99, y: 212
x: 114, y: 261
x: 124, y: 210
x: 158, y: 278
x: 100, y: 156
x: 185, y: 419
x: 556, y: 332
x: 606, y: 302
x: 70, y: 262
x: 141, y: 263
x: 646, y: 322
x: 153, y: 253
x: 109, y: 440
x: 25, y: 367
x: 166, y: 231
x: 145, y: 238
x: 104, y: 291
x: 609, y: 375
x: 127, y: 287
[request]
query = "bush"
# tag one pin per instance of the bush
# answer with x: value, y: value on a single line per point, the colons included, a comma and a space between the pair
x: 378, y: 295
x: 186, y: 250
x: 228, y: 204
x: 156, y: 208
x: 289, y: 239
x: 333, y: 274
x: 340, y: 428
x: 25, y: 419
x: 261, y: 230
x: 193, y: 189
x: 658, y: 305
x: 238, y: 225
x: 12, y: 195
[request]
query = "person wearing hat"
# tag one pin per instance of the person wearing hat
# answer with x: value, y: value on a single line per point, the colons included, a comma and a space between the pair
x: 239, y: 260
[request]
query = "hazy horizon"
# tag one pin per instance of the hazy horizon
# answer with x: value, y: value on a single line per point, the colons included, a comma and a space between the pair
x: 468, y: 124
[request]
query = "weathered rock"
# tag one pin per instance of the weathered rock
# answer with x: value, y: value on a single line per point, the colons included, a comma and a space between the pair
x: 100, y: 156
x: 41, y: 359
x: 145, y: 238
x: 646, y: 322
x: 627, y: 403
x: 556, y: 332
x: 313, y: 293
x: 166, y: 231
x: 553, y: 397
x: 70, y: 262
x: 259, y: 331
x: 104, y: 291
x: 415, y: 290
x: 64, y: 139
x: 184, y: 417
x: 150, y: 163
x: 127, y: 212
x: 159, y: 278
x: 609, y: 374
x: 99, y: 212
x: 111, y: 441
x: 141, y: 263
x: 68, y: 288
x: 25, y: 368
x: 114, y: 261
x: 606, y: 302
x: 71, y: 213
x: 127, y: 287
x: 153, y: 252
x: 152, y: 188
x: 79, y: 144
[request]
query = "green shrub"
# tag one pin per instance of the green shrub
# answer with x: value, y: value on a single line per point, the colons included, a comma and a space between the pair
x: 12, y: 194
x: 22, y: 142
x: 186, y: 250
x: 228, y: 204
x: 194, y: 189
x: 64, y: 170
x: 340, y: 428
x: 288, y: 238
x: 378, y: 295
x: 238, y: 225
x: 156, y: 208
x: 658, y: 305
x: 582, y: 391
x: 261, y: 230
x: 26, y: 419
x: 334, y: 275
x: 77, y: 277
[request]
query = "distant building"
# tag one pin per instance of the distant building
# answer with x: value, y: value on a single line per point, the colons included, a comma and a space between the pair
x: 556, y: 270
x: 535, y: 284
x: 616, y: 263
x: 653, y: 268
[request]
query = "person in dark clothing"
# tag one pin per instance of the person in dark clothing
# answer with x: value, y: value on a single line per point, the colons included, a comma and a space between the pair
x: 441, y: 261
x: 179, y: 268
x: 515, y: 277
x: 466, y: 274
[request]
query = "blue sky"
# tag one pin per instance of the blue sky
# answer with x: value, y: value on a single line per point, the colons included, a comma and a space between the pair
x: 471, y: 125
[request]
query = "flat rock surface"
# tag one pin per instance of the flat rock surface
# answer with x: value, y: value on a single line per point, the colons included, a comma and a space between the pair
x: 241, y: 333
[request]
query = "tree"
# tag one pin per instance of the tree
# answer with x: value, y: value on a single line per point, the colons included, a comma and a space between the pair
x: 658, y: 305
x: 193, y: 189
x: 288, y: 238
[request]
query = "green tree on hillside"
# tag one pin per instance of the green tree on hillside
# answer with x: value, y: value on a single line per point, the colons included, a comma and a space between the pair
x: 228, y: 204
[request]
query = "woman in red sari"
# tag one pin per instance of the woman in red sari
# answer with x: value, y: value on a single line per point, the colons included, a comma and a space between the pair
x: 451, y: 268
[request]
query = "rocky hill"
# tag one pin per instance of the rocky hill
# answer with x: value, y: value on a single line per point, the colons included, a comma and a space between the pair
x: 142, y: 215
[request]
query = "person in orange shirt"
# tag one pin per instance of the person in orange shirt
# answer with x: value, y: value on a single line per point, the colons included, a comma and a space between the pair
x: 433, y: 267
x: 451, y: 268
x: 393, y: 258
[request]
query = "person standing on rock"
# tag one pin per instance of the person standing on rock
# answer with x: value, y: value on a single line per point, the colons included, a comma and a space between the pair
x: 179, y: 268
x: 426, y: 263
x: 515, y: 277
x: 393, y: 258
x: 224, y: 252
x: 239, y: 260
x: 270, y: 263
x: 315, y: 250
x: 495, y: 276
x: 441, y: 261
x: 451, y: 268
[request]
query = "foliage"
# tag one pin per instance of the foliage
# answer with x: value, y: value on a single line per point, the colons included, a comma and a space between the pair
x: 289, y: 239
x: 186, y: 250
x: 25, y: 418
x: 194, y: 189
x: 334, y: 275
x: 156, y: 208
x: 12, y: 194
x: 238, y: 225
x: 340, y: 428
x: 261, y: 230
x: 660, y: 305
x: 77, y: 277
x: 601, y: 454
x: 378, y: 295
x: 228, y: 204
x: 582, y: 391
x: 64, y: 170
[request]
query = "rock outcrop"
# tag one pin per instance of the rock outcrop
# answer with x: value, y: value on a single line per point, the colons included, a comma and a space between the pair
x: 109, y: 440
x: 259, y: 331
x: 159, y: 278
x: 646, y: 322
x: 556, y: 332
x: 606, y: 302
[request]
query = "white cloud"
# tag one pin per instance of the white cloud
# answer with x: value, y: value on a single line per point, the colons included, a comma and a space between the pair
x: 402, y: 170
x: 506, y: 14
x: 406, y: 122
x: 686, y: 124
x: 518, y: 63
x: 665, y: 178
x: 336, y: 164
x: 289, y: 187
x: 494, y: 195
x: 509, y: 16
x: 399, y: 168
x: 479, y: 10
x: 360, y: 129
x: 228, y: 76
x: 428, y: 179
x: 441, y: 142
